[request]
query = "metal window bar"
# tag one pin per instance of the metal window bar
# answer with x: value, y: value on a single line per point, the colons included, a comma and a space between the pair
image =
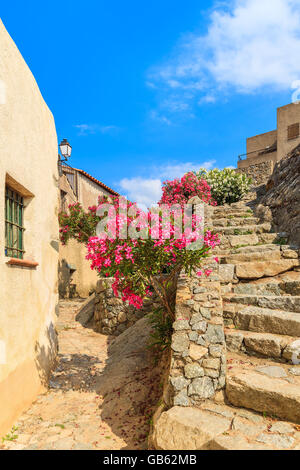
x: 240, y: 157
x: 14, y: 230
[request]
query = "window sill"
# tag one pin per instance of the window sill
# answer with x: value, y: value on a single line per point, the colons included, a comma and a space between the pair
x: 24, y: 263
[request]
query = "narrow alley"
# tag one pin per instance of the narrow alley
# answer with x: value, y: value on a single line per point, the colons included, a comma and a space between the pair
x: 100, y: 396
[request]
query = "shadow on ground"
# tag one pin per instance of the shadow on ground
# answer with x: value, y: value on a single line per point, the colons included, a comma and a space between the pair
x: 75, y: 372
x: 131, y: 385
x: 121, y: 371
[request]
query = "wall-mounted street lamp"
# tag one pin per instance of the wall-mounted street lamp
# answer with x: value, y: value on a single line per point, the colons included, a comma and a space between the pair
x: 65, y: 150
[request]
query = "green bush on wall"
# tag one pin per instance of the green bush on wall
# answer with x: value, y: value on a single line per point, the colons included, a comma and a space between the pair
x: 227, y: 186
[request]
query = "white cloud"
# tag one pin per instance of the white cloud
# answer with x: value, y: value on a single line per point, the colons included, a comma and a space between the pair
x: 150, y: 84
x: 160, y: 118
x: 179, y: 169
x: 250, y: 45
x: 174, y: 104
x: 146, y: 192
x: 207, y: 99
x: 86, y: 129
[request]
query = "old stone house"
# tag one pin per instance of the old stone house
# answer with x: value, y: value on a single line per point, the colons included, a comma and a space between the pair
x: 28, y: 236
x: 75, y: 275
x: 265, y: 150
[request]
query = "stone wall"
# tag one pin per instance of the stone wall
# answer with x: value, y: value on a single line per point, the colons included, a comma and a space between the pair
x: 113, y: 316
x: 259, y: 172
x: 281, y: 203
x: 198, y: 363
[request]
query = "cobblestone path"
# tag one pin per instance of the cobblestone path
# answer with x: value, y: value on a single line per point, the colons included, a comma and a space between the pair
x: 73, y: 414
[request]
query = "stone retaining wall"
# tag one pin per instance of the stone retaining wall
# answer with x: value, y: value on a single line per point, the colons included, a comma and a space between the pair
x: 112, y: 316
x: 259, y: 172
x: 281, y: 203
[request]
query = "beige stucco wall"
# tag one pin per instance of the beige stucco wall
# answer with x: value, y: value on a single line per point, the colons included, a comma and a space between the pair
x: 83, y: 278
x: 28, y: 297
x: 286, y: 116
x: 89, y: 191
x: 261, y: 141
x: 255, y: 164
x: 82, y: 281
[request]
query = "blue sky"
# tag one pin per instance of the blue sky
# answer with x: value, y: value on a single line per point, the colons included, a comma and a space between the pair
x: 145, y: 91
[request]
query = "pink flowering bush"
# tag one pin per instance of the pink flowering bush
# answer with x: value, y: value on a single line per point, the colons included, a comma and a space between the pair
x: 150, y: 260
x: 179, y: 191
x: 77, y: 223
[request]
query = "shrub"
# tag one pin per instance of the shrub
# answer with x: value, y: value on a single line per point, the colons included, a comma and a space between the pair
x: 137, y: 264
x: 227, y: 186
x: 179, y: 191
x: 162, y: 329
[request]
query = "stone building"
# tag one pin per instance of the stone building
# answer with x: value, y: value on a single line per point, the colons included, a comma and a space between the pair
x: 75, y: 275
x: 28, y: 236
x: 265, y: 150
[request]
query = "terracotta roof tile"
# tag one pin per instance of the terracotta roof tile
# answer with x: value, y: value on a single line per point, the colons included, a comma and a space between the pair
x: 87, y: 175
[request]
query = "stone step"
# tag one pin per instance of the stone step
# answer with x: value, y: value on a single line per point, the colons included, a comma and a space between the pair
x: 289, y: 303
x: 248, y: 249
x: 235, y: 440
x: 216, y: 426
x: 237, y: 258
x: 270, y: 288
x: 258, y: 269
x: 254, y: 239
x: 263, y: 320
x: 258, y: 254
x: 243, y: 229
x: 259, y: 385
x: 273, y: 238
x: 230, y: 213
x: 278, y: 347
x: 236, y: 221
x: 239, y: 273
x: 250, y: 430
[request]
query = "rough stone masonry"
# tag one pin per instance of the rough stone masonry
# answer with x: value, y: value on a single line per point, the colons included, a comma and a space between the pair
x: 198, y: 363
x: 112, y: 316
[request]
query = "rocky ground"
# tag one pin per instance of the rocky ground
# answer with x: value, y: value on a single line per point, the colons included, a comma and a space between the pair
x: 220, y: 426
x: 101, y: 395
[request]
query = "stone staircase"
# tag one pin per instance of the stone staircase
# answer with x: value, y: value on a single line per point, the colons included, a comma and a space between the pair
x: 260, y: 287
x: 260, y: 276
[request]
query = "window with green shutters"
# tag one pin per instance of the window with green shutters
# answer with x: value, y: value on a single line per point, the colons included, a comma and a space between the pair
x: 14, y: 219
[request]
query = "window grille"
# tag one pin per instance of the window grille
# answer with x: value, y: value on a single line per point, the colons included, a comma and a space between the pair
x: 14, y: 219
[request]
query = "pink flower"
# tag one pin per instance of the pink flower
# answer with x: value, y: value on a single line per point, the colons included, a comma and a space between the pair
x: 132, y: 262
